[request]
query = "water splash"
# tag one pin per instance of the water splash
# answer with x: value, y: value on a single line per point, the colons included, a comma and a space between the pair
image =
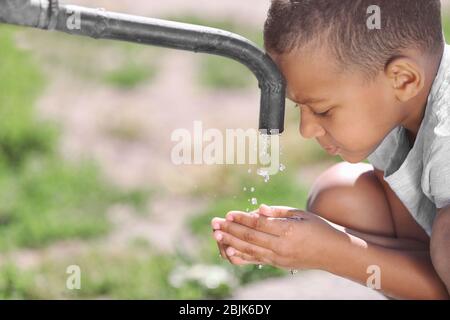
x: 260, y: 266
x: 252, y: 189
x: 264, y: 173
x: 254, y: 201
x: 269, y: 152
x: 294, y: 271
x: 282, y: 167
x: 265, y: 148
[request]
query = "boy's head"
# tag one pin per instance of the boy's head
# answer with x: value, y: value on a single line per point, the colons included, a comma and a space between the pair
x: 355, y: 83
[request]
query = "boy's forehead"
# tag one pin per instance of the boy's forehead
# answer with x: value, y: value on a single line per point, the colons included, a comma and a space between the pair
x: 301, y: 98
x: 310, y: 79
x: 306, y: 78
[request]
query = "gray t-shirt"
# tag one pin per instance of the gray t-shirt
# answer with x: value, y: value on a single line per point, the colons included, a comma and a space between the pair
x: 420, y: 176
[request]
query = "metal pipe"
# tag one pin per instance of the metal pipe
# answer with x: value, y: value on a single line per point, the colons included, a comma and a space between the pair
x: 101, y: 24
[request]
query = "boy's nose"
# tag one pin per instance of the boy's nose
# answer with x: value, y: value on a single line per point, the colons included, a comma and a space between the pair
x: 309, y: 127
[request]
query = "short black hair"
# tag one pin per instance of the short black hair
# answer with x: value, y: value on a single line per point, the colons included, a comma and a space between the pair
x: 342, y: 25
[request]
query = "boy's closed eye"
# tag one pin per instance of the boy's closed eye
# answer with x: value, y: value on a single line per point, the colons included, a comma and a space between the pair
x: 319, y: 114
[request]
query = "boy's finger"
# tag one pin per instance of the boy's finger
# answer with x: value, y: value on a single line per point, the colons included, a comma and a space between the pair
x: 222, y: 250
x: 250, y: 235
x: 231, y: 252
x: 257, y: 222
x: 230, y: 214
x: 239, y: 261
x: 278, y: 211
x: 264, y: 255
x: 216, y: 222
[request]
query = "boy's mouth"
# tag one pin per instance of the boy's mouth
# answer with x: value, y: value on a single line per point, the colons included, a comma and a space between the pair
x: 332, y: 150
x: 329, y: 148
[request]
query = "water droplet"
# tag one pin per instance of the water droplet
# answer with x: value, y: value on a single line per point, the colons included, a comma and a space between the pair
x: 282, y: 167
x: 254, y: 201
x: 260, y: 266
x: 264, y: 173
x: 252, y: 189
x: 245, y: 188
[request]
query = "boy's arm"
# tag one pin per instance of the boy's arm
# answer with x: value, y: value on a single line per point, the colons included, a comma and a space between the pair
x: 384, y: 241
x: 405, y: 274
x: 440, y: 245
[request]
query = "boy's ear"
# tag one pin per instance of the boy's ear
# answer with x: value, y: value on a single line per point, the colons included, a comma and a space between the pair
x: 406, y: 77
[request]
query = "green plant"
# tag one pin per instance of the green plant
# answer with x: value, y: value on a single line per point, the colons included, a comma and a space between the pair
x: 446, y: 26
x: 223, y: 73
x: 49, y: 200
x: 133, y: 274
x: 129, y: 75
x: 21, y: 135
x: 43, y: 197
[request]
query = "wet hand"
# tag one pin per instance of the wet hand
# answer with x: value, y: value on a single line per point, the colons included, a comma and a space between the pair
x: 225, y: 251
x: 280, y: 236
x: 229, y: 253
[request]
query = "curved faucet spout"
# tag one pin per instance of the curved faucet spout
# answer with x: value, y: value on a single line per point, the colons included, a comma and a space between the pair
x: 101, y: 24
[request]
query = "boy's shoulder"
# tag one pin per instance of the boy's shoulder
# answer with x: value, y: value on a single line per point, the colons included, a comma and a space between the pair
x: 439, y: 100
x: 420, y: 174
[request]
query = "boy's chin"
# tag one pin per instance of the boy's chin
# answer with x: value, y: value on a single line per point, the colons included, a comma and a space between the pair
x: 353, y: 158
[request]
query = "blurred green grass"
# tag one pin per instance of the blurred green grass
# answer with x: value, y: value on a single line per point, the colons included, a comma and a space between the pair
x: 121, y: 65
x: 446, y: 26
x: 20, y: 134
x: 128, y: 76
x: 49, y: 200
x: 105, y: 275
x: 43, y: 198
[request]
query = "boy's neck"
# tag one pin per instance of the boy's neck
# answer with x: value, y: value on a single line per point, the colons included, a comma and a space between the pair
x: 416, y: 110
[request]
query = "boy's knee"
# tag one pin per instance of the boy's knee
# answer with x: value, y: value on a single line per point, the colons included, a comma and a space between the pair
x: 335, y: 188
x: 351, y: 195
x: 438, y: 248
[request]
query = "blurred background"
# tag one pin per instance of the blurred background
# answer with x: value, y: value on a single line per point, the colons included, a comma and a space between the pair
x: 85, y: 171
